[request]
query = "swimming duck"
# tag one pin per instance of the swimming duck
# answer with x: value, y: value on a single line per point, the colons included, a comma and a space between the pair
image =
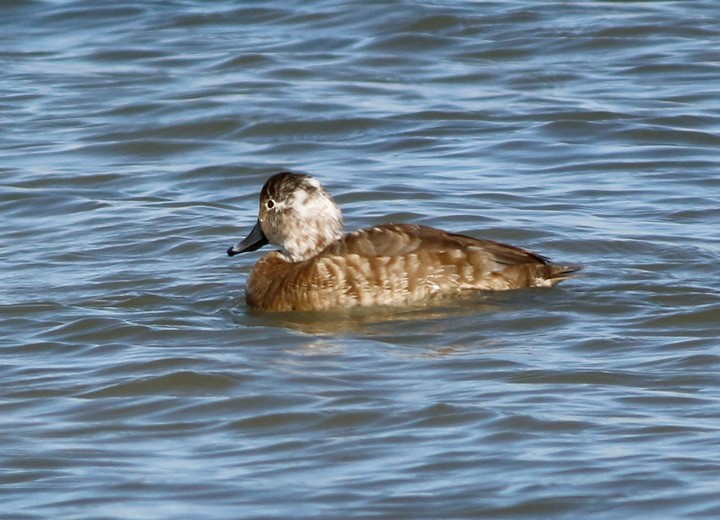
x: 317, y: 267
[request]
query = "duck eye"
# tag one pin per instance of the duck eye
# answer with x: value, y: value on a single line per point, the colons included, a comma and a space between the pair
x: 270, y: 204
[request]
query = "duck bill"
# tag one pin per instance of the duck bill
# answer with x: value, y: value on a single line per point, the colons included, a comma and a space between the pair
x: 255, y: 240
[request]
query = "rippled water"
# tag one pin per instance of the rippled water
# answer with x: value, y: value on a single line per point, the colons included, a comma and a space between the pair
x: 135, y: 382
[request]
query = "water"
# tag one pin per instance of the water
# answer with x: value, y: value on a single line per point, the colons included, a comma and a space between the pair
x: 134, y: 381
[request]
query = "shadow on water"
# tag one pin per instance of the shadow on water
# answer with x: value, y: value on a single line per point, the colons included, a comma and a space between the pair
x: 441, y: 317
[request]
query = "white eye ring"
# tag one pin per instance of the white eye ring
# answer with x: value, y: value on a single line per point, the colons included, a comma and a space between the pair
x: 270, y: 204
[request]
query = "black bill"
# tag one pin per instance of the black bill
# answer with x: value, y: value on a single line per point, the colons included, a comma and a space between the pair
x: 255, y: 240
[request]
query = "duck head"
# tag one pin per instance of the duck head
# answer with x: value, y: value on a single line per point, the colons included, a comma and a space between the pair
x: 297, y: 214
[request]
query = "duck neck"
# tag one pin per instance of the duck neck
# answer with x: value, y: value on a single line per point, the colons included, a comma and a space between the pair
x: 312, y: 238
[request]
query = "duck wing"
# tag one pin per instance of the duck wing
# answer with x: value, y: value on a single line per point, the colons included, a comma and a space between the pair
x: 394, y: 240
x: 445, y: 260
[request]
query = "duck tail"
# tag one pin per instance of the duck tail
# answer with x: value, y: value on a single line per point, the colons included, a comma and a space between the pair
x: 555, y: 274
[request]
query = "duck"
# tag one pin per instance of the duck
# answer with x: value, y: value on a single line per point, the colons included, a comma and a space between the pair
x: 317, y: 267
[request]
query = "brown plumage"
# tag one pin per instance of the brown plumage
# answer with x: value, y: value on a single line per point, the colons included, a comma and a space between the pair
x: 395, y: 264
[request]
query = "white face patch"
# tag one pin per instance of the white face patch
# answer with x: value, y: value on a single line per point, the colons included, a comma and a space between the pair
x: 312, y: 206
x: 317, y: 222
